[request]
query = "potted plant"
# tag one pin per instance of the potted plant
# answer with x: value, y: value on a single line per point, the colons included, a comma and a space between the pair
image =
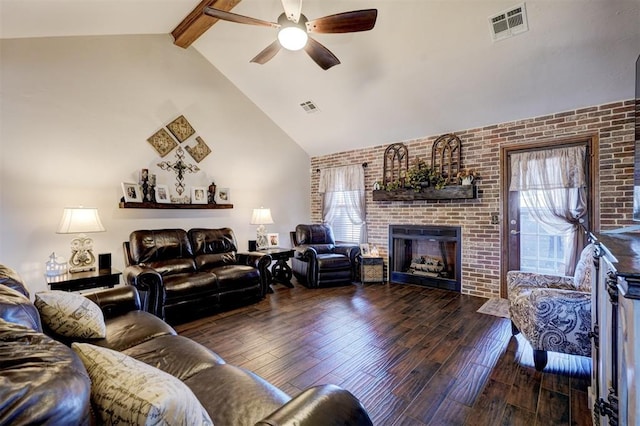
x: 421, y: 175
x: 467, y: 176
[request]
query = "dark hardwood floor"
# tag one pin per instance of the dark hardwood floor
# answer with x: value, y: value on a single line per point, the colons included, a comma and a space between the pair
x: 414, y: 356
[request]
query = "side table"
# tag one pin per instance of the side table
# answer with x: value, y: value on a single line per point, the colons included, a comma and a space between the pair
x: 280, y: 271
x: 371, y: 269
x: 84, y: 280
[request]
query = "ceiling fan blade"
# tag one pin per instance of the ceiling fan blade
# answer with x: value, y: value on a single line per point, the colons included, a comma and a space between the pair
x: 240, y: 19
x: 320, y: 54
x: 269, y: 52
x: 292, y: 8
x: 346, y: 22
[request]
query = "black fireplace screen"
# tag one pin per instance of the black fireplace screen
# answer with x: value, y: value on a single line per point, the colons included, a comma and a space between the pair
x: 425, y: 255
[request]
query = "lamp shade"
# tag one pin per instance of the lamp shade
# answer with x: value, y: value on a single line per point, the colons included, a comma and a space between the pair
x: 261, y: 216
x: 79, y: 220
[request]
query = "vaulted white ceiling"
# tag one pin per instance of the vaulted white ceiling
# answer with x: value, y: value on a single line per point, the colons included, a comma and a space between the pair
x: 428, y: 67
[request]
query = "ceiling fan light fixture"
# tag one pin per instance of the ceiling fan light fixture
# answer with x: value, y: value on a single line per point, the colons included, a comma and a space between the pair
x: 293, y: 38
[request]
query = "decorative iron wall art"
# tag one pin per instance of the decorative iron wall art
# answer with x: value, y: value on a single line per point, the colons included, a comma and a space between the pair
x: 179, y: 167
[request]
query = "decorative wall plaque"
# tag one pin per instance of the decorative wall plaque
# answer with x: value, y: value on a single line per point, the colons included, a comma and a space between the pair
x: 181, y: 129
x: 199, y: 151
x: 162, y: 142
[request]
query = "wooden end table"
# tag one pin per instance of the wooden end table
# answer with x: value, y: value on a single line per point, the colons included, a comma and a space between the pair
x: 84, y: 280
x: 280, y: 271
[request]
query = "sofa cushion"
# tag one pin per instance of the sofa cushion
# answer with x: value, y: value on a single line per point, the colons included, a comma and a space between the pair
x: 251, y: 398
x: 212, y: 241
x: 181, y: 285
x: 205, y: 262
x: 314, y: 234
x: 177, y: 355
x: 157, y: 245
x: 17, y: 308
x: 127, y: 391
x: 70, y: 314
x: 42, y: 381
x: 333, y: 261
x: 172, y: 266
x: 133, y: 328
x: 236, y: 276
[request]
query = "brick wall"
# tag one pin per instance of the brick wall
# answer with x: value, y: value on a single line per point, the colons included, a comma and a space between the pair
x: 613, y: 124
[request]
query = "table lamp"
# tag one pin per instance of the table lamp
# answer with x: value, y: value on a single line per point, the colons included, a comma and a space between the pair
x: 261, y: 217
x: 80, y: 220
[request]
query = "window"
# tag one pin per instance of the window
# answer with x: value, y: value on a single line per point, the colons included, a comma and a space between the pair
x: 345, y: 229
x: 540, y: 251
x: 343, y: 202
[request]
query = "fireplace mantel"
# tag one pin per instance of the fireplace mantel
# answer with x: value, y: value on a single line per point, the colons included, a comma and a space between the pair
x: 450, y: 192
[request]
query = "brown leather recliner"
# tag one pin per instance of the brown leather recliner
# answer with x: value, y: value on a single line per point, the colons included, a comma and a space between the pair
x: 183, y: 272
x: 318, y: 261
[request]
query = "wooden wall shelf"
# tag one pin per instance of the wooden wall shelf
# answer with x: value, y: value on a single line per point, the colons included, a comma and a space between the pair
x: 451, y: 192
x: 124, y: 205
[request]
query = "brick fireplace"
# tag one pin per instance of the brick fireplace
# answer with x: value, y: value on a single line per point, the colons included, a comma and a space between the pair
x: 425, y: 255
x: 480, y: 273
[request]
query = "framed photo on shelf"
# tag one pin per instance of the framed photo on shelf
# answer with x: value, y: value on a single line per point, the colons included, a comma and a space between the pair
x: 364, y: 250
x: 162, y: 194
x: 132, y: 192
x: 223, y: 196
x: 273, y: 240
x: 198, y: 195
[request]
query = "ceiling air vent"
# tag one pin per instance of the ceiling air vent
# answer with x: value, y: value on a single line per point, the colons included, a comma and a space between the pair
x: 509, y: 23
x: 309, y: 107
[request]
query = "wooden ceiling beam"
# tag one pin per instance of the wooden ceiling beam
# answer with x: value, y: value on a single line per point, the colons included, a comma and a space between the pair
x: 196, y: 22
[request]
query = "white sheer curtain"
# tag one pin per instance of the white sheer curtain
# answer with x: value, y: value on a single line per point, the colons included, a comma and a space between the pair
x: 344, y: 199
x: 553, y: 187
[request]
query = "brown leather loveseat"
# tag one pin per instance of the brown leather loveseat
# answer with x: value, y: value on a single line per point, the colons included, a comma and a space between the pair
x: 43, y: 381
x: 182, y: 273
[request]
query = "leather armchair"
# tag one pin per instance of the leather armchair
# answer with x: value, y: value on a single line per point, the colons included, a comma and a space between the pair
x: 318, y: 261
x: 553, y: 312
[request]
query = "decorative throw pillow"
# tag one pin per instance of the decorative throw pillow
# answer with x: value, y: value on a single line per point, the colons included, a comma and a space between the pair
x: 127, y: 391
x: 70, y: 314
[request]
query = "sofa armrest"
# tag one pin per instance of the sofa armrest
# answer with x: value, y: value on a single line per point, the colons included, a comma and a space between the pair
x: 116, y: 301
x: 254, y: 259
x: 320, y: 405
x: 309, y: 254
x: 306, y: 253
x: 260, y: 261
x: 518, y: 279
x: 352, y: 251
x: 149, y: 281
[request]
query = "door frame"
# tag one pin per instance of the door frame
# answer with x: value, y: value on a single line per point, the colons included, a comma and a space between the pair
x: 593, y: 193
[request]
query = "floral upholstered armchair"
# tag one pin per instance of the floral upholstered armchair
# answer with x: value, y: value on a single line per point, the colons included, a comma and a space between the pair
x: 553, y: 312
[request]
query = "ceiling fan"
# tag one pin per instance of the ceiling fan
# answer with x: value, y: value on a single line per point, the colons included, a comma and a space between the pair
x: 294, y: 27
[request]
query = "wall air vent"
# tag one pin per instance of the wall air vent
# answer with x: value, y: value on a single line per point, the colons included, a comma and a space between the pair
x: 309, y: 107
x: 508, y: 23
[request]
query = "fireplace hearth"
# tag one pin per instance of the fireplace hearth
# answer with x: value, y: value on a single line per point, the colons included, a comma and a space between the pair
x: 427, y: 255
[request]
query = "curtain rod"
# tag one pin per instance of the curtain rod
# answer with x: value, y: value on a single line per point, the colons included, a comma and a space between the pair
x: 364, y: 166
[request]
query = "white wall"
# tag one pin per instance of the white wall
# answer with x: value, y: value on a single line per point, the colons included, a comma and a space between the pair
x: 75, y: 115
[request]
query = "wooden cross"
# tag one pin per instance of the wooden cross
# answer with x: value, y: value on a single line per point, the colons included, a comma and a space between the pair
x: 180, y: 168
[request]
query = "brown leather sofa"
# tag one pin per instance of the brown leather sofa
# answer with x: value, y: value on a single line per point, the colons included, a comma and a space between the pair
x: 181, y: 274
x: 44, y: 381
x: 318, y: 261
